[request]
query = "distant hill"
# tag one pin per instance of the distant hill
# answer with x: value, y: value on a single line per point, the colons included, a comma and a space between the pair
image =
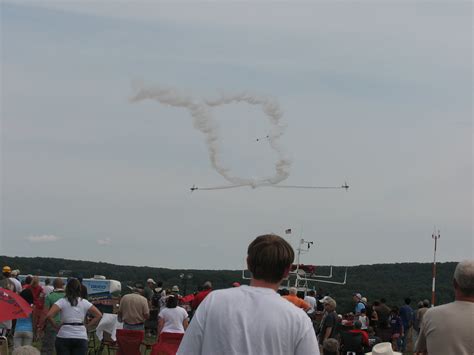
x: 392, y: 281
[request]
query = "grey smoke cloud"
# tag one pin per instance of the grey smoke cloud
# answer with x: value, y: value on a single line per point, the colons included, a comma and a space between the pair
x: 204, y: 121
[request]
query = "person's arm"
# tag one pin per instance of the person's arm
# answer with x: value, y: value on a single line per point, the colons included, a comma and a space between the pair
x: 193, y: 337
x: 305, y: 305
x: 185, y: 323
x: 96, y: 316
x: 161, y: 324
x: 420, y: 345
x: 146, y: 310
x: 53, y: 311
x: 308, y: 344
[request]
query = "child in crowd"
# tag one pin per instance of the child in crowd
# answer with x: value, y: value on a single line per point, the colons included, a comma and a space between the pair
x: 364, y: 320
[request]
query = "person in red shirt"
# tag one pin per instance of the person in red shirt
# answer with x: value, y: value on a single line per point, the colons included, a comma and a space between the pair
x: 200, y: 296
x: 357, y: 329
x: 38, y: 301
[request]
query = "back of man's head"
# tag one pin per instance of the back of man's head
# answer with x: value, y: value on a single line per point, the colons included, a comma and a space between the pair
x: 293, y: 291
x: 207, y: 285
x: 269, y: 258
x: 407, y: 300
x: 311, y: 293
x: 464, y: 277
x: 58, y: 283
x: 357, y: 324
x: 330, y: 347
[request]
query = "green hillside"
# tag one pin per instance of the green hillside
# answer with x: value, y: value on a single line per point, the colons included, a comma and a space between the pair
x: 392, y: 281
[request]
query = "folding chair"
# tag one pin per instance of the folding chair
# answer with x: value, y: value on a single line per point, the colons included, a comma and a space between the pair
x: 167, y: 344
x: 107, y: 343
x: 129, y: 341
x: 3, y: 345
x: 351, y: 343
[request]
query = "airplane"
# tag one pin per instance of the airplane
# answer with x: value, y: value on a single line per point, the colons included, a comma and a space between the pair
x: 194, y: 188
x: 345, y: 186
x: 259, y: 139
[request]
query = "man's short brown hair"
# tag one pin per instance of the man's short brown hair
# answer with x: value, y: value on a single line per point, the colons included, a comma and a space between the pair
x: 269, y: 257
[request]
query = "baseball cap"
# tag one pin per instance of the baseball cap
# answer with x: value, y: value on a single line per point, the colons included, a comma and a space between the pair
x: 235, y: 284
x: 6, y: 269
x: 151, y: 281
x: 175, y: 289
x: 358, y: 295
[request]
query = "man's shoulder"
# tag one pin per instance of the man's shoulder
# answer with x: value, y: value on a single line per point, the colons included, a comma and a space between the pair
x: 133, y: 297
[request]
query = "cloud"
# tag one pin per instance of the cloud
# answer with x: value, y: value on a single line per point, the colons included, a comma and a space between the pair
x: 43, y: 238
x: 104, y: 242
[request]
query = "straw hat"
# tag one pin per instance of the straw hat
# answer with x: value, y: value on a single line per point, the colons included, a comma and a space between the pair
x: 383, y: 349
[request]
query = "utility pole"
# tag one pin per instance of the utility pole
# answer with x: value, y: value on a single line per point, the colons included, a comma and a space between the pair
x: 433, y: 289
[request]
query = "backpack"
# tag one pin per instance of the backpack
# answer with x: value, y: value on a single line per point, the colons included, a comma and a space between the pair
x: 155, y: 299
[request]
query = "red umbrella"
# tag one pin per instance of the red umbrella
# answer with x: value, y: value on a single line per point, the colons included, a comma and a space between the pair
x: 12, y: 306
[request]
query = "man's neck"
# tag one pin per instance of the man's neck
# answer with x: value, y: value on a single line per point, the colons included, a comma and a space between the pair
x: 265, y: 284
x: 464, y: 298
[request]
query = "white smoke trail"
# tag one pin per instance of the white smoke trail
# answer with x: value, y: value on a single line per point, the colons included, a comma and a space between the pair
x: 201, y: 111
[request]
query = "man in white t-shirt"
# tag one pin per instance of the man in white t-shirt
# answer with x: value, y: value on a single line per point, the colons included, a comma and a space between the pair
x: 253, y: 319
x: 449, y: 329
x: 310, y: 298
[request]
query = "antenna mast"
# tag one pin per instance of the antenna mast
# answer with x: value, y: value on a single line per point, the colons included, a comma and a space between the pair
x: 433, y: 289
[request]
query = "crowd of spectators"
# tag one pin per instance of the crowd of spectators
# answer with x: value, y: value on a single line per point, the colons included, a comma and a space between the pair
x: 260, y: 318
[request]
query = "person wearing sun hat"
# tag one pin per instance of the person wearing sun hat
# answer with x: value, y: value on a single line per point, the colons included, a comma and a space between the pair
x: 383, y: 349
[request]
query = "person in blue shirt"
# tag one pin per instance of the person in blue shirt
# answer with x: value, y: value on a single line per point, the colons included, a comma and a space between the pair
x: 407, y: 315
x: 24, y: 326
x: 359, y: 305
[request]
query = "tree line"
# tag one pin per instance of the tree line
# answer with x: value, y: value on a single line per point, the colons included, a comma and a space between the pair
x: 393, y: 282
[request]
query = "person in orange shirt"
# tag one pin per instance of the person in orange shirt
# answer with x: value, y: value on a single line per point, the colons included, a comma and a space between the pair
x: 298, y: 302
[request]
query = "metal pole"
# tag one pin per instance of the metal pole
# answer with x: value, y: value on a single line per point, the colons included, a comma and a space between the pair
x: 433, y: 289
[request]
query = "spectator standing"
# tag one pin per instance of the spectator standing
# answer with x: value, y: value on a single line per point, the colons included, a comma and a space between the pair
x: 48, y: 288
x: 13, y: 278
x: 396, y: 326
x: 298, y: 302
x: 253, y: 319
x: 327, y: 327
x: 419, y: 315
x: 310, y: 298
x: 200, y: 296
x: 5, y: 281
x: 72, y: 333
x: 449, y: 329
x: 133, y: 310
x: 38, y: 300
x: 50, y: 332
x: 383, y: 328
x: 148, y: 290
x: 172, y: 319
x: 364, y: 320
x: 24, y: 326
x: 359, y: 305
x: 407, y: 315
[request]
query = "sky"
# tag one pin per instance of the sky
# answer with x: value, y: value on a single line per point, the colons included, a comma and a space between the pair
x: 375, y: 93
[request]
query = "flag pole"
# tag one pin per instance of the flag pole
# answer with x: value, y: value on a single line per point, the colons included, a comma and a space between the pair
x: 433, y: 288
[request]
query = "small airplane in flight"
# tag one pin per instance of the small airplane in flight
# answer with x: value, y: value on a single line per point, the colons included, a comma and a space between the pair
x: 345, y: 186
x: 262, y: 138
x: 194, y: 187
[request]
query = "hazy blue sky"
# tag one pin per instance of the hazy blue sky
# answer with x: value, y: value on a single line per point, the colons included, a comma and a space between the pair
x: 375, y: 93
